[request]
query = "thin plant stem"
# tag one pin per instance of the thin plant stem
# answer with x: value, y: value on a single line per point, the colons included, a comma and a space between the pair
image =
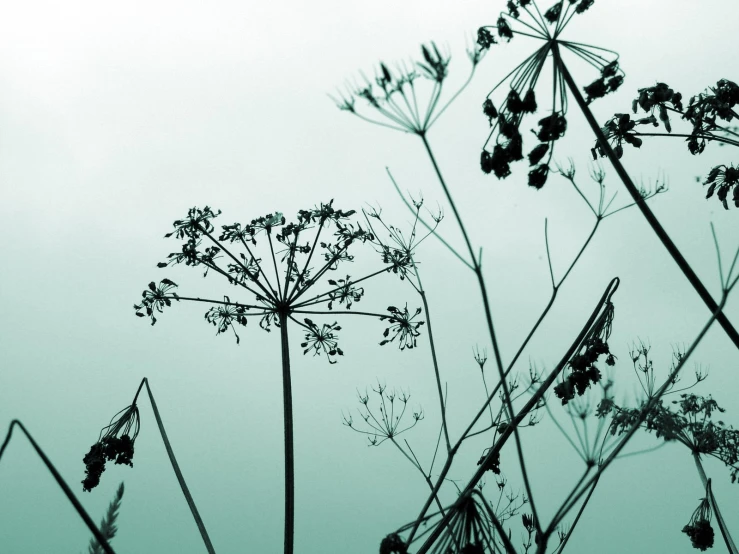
x: 178, y: 472
x: 533, y: 401
x: 644, y: 412
x: 677, y: 135
x: 422, y: 293
x: 287, y: 399
x: 642, y: 205
x: 466, y: 434
x: 423, y: 222
x: 561, y: 547
x: 491, y: 330
x: 414, y: 461
x: 61, y: 482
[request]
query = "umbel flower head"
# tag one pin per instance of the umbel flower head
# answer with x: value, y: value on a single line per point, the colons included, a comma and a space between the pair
x: 296, y: 259
x: 394, y: 98
x: 709, y: 114
x: 504, y: 144
x: 720, y: 180
x: 115, y: 443
x: 699, y: 527
x: 690, y: 421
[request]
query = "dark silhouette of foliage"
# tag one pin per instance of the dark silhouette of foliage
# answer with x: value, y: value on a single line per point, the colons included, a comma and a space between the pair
x: 504, y: 143
x: 699, y: 527
x: 115, y: 444
x: 709, y: 115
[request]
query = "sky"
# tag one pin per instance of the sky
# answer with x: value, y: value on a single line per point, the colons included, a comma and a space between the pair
x: 116, y: 119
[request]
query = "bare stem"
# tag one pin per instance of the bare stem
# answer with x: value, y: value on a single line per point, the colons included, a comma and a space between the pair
x: 435, y: 362
x: 489, y: 320
x: 177, y: 472
x: 641, y: 203
x: 287, y: 399
x: 62, y: 484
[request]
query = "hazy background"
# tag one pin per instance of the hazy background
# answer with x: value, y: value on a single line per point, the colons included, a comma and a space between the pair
x: 115, y: 119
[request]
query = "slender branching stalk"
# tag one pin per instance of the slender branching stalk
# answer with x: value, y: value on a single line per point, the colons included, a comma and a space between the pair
x: 643, y: 208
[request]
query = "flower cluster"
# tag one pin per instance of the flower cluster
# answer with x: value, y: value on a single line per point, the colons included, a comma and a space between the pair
x: 393, y: 544
x: 721, y: 178
x: 699, y: 527
x: 493, y: 464
x: 155, y: 298
x: 322, y: 340
x: 299, y: 257
x: 583, y: 371
x: 115, y: 443
x: 504, y: 144
x: 688, y: 421
x: 402, y: 327
x: 704, y: 112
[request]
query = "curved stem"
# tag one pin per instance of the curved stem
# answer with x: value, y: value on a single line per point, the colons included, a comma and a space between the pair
x: 177, y: 472
x: 645, y: 411
x: 287, y: 399
x: 642, y: 205
x: 525, y: 410
x: 677, y: 135
x: 62, y: 484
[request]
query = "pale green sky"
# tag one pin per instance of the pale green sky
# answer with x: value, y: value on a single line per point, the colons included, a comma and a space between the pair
x: 114, y: 120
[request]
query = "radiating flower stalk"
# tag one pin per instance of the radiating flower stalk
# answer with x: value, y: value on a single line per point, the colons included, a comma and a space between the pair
x: 290, y: 279
x: 610, y: 73
x: 396, y: 89
x: 688, y: 421
x: 525, y: 18
x: 472, y: 261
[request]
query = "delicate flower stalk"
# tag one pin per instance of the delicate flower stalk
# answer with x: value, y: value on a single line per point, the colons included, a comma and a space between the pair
x: 300, y: 256
x: 178, y: 473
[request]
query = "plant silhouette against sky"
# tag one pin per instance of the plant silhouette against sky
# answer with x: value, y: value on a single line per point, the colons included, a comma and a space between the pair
x: 285, y: 275
x: 290, y: 282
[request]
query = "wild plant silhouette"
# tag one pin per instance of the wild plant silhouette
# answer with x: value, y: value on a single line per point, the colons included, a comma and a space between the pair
x: 297, y: 276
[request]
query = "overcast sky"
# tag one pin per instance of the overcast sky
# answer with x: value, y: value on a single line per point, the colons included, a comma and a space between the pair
x: 115, y: 119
